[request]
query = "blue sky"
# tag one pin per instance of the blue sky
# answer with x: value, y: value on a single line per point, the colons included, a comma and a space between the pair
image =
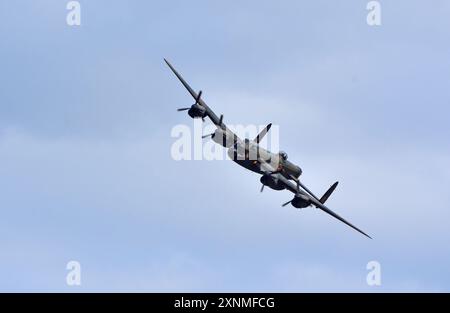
x: 86, y: 173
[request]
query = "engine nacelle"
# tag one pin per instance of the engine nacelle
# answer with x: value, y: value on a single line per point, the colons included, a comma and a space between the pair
x: 197, y: 111
x: 301, y: 201
x: 223, y: 138
x: 292, y: 169
x: 271, y: 182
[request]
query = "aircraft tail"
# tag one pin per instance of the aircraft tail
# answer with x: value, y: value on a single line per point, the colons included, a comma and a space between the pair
x: 328, y: 193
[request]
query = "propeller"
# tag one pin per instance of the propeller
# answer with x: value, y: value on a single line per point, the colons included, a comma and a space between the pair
x: 268, y: 174
x: 299, y: 184
x: 196, y: 102
x: 220, y: 125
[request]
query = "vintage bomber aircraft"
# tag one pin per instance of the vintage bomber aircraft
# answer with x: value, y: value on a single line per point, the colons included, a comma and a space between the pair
x: 277, y: 172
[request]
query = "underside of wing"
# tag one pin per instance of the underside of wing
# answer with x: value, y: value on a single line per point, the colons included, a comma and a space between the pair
x: 327, y: 210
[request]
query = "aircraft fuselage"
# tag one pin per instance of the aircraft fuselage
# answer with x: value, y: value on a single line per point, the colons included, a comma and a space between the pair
x: 250, y: 155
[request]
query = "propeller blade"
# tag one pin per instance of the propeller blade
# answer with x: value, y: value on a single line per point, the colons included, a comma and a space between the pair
x: 198, y: 97
x: 284, y: 204
x: 262, y: 188
x: 183, y: 109
x: 204, y: 136
x: 220, y: 120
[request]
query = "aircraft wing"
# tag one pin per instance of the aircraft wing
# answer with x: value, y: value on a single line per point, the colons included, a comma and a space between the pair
x: 327, y: 210
x: 210, y: 113
x: 293, y: 188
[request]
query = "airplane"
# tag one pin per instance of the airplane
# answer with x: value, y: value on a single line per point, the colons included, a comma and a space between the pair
x: 276, y: 171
